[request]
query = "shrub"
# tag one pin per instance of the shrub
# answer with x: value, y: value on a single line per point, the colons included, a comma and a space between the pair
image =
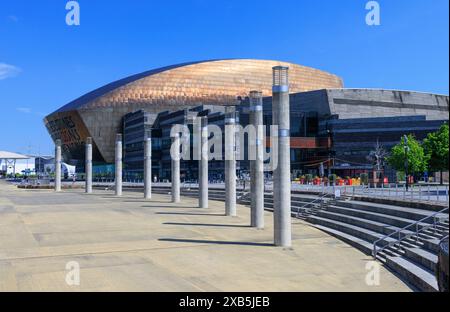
x: 364, y: 178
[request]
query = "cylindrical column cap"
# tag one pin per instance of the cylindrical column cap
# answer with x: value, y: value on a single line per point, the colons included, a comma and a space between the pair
x: 58, y: 142
x: 230, y: 115
x: 280, y: 78
x: 118, y: 137
x: 255, y: 94
x: 255, y: 101
x: 230, y: 109
x: 89, y: 140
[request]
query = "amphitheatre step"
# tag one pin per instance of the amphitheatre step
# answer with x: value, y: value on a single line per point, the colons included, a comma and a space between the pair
x: 401, y: 212
x: 378, y: 227
x: 415, y: 275
x: 295, y: 201
x: 438, y: 233
x: 356, y: 231
x: 358, y: 243
x: 374, y: 216
x: 431, y: 245
x: 423, y: 257
x: 412, y: 273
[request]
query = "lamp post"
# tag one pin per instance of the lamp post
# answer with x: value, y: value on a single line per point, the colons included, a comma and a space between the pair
x: 406, y: 148
x: 282, y: 173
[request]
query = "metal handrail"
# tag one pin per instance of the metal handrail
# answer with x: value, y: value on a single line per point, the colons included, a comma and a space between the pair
x: 399, y: 232
x: 320, y: 198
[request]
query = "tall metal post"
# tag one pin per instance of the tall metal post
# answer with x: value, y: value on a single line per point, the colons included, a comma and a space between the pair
x: 257, y: 167
x: 58, y: 162
x: 282, y: 173
x: 118, y: 175
x: 176, y: 168
x: 230, y: 161
x: 203, y: 168
x: 88, y: 165
x: 148, y: 168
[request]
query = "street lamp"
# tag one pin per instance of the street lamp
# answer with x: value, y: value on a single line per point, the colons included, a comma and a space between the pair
x: 406, y: 147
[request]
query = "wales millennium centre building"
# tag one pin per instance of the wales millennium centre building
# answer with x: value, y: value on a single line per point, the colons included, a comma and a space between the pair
x: 332, y: 127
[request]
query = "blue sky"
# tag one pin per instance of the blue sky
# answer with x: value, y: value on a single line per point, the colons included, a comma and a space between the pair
x: 45, y: 64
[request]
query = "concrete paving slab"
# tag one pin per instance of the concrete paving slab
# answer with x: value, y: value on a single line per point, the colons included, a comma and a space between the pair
x: 130, y: 244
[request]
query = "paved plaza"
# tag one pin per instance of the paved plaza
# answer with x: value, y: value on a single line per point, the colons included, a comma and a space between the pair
x: 129, y: 244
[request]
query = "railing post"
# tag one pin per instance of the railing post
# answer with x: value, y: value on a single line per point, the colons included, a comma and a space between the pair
x: 446, y: 193
x: 417, y: 233
x: 420, y: 192
x: 429, y: 193
x: 437, y: 193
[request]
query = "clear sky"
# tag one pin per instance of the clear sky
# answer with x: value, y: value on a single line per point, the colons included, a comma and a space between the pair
x: 45, y: 64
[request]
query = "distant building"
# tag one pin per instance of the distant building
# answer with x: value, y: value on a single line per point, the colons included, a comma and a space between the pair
x: 137, y: 126
x: 331, y: 127
x: 13, y: 163
x: 67, y: 171
x: 41, y: 161
x: 341, y: 127
x: 99, y: 114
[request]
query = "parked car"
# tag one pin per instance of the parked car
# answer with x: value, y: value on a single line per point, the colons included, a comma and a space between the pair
x: 442, y: 266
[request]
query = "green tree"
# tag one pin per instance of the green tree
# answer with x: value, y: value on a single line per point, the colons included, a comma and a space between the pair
x: 417, y: 160
x: 436, y: 149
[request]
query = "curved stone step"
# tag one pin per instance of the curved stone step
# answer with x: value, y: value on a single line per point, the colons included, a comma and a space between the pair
x: 414, y: 274
x: 374, y: 216
x: 402, y: 212
x: 356, y: 231
x: 360, y: 244
x: 431, y: 245
x: 423, y: 257
x: 381, y: 228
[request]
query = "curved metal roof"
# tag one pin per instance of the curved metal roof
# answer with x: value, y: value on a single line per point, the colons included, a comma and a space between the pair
x: 119, y: 83
x: 224, y: 78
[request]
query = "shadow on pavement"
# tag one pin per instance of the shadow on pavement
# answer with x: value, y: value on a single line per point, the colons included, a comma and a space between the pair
x: 191, y: 214
x: 211, y: 225
x: 215, y: 242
